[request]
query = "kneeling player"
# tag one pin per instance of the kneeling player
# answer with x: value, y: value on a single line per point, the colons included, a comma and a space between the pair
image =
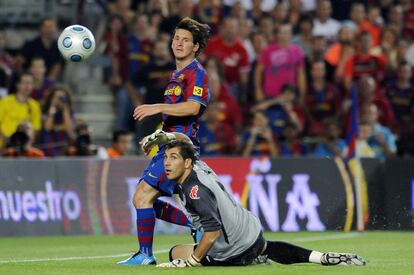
x: 232, y: 235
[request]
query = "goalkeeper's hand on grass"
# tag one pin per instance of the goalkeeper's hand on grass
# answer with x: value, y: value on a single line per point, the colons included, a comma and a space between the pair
x: 159, y: 137
x: 190, y: 262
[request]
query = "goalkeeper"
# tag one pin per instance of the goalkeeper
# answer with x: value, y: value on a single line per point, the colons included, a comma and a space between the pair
x: 232, y: 236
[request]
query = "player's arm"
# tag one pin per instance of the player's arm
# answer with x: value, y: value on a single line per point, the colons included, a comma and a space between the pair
x: 188, y: 108
x: 206, y: 243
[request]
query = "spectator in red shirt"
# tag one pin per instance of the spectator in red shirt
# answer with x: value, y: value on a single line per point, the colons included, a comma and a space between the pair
x: 408, y: 27
x: 363, y: 63
x: 227, y: 106
x: 400, y: 93
x: 231, y: 52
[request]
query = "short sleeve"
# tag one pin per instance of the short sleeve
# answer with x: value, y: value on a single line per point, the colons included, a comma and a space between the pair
x: 204, y: 204
x: 197, y: 87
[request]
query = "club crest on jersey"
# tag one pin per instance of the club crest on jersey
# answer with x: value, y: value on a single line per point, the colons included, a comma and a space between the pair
x: 193, y: 193
x: 180, y: 77
x: 198, y: 91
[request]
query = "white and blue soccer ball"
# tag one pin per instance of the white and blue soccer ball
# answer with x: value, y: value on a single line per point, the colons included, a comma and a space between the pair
x: 76, y: 43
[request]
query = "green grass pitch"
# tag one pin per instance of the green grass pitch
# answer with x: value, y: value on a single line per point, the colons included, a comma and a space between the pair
x: 385, y: 252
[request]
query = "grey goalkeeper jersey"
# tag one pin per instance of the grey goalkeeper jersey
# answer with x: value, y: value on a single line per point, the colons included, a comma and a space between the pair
x: 210, y: 207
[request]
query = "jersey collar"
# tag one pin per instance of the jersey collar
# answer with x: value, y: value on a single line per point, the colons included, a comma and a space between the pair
x: 189, y: 66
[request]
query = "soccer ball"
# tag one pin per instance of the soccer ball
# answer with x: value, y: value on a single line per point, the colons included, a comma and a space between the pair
x: 76, y: 43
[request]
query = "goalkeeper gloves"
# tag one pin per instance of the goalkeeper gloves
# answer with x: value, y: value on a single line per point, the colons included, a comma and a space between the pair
x: 159, y: 137
x: 192, y: 261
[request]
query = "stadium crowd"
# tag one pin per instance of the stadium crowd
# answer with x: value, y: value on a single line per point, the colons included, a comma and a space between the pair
x: 281, y: 75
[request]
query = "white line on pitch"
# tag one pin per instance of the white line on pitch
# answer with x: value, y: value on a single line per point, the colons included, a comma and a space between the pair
x: 304, y: 239
x: 75, y: 258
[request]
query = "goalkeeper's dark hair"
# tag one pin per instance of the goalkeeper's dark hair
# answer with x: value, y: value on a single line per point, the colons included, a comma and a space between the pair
x: 185, y: 148
x: 200, y: 32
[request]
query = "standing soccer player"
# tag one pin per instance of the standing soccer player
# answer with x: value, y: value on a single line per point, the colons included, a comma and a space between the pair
x: 186, y: 97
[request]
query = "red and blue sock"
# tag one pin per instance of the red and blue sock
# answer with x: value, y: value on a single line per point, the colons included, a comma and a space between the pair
x: 145, y: 229
x: 165, y: 211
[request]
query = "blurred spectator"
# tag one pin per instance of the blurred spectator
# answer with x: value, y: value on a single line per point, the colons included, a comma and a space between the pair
x: 45, y: 46
x: 123, y: 9
x: 357, y: 17
x: 363, y: 63
x: 6, y: 66
x: 229, y: 49
x: 83, y: 145
x: 324, y: 24
x: 282, y: 110
x: 370, y: 22
x: 267, y: 27
x: 58, y: 122
x: 304, y: 38
x: 121, y: 144
x: 279, y: 14
x: 210, y: 12
x: 238, y: 11
x: 292, y: 144
x: 294, y: 14
x: 370, y: 93
x: 408, y: 27
x: 184, y: 8
x: 363, y: 150
x: 227, y: 109
x: 322, y: 100
x: 395, y: 18
x: 258, y: 139
x: 115, y: 44
x: 21, y: 143
x: 153, y: 77
x: 331, y: 144
x: 246, y: 28
x: 19, y: 107
x: 216, y: 137
x: 280, y: 64
x: 339, y: 53
x: 400, y: 93
x: 259, y: 43
x: 318, y: 48
x: 257, y: 12
x: 381, y: 140
x: 403, y: 54
x: 128, y: 96
x: 139, y: 44
x: 387, y: 47
x: 41, y: 82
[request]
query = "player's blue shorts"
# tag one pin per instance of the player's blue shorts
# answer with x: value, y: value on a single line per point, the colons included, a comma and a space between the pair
x: 154, y: 175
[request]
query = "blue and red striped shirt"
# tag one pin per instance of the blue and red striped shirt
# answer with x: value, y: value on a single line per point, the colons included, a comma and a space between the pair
x: 187, y: 84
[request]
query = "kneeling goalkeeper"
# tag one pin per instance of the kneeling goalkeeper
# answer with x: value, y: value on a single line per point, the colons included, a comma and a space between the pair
x: 232, y: 235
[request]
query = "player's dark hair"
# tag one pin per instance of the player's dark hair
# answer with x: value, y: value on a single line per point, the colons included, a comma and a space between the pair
x: 200, y: 32
x: 119, y: 133
x: 185, y: 148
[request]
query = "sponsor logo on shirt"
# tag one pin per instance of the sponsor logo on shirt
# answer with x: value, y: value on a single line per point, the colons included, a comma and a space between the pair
x: 193, y: 193
x: 173, y: 91
x: 198, y: 91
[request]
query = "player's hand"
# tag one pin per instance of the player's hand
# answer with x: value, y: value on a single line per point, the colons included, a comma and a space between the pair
x: 145, y: 110
x: 175, y: 263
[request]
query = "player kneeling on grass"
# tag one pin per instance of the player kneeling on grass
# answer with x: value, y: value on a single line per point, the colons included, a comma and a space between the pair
x: 231, y: 234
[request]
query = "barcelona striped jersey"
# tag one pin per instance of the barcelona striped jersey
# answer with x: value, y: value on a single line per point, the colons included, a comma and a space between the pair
x: 187, y: 84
